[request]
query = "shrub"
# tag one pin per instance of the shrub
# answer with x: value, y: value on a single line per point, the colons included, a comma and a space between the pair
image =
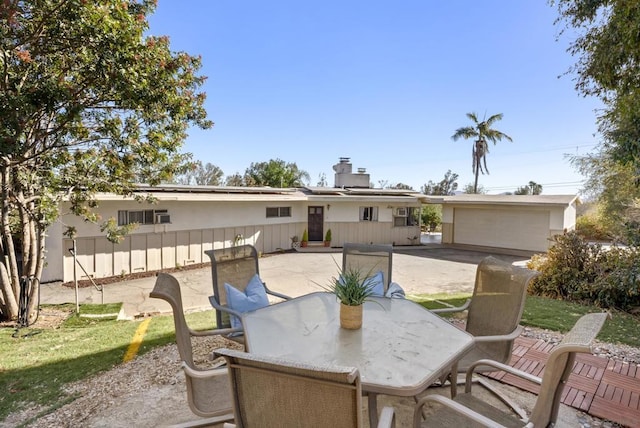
x: 567, y: 268
x: 576, y: 270
x: 619, y: 285
x: 589, y: 226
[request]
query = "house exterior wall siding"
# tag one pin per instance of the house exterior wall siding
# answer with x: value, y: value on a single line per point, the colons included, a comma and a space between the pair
x: 198, y: 224
x: 156, y: 251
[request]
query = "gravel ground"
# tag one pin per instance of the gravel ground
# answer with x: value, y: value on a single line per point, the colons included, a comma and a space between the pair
x: 149, y: 391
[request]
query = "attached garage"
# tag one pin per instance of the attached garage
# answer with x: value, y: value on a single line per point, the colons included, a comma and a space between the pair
x: 511, y: 222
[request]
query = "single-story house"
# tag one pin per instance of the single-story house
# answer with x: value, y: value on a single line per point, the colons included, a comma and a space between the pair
x: 513, y: 222
x: 186, y: 221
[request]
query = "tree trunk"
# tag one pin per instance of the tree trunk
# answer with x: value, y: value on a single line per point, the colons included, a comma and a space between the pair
x: 475, y: 184
x: 9, y: 281
x: 477, y: 168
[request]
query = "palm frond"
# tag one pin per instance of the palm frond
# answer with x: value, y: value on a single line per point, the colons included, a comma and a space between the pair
x: 494, y: 118
x: 473, y: 116
x: 465, y: 132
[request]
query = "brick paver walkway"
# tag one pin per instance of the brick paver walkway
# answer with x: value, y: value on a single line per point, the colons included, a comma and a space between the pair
x: 599, y: 386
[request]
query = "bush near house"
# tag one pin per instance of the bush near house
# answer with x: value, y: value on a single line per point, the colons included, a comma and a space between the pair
x: 591, y: 227
x: 576, y: 270
x: 432, y: 217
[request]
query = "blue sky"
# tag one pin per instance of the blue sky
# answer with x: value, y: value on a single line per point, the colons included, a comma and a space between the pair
x: 385, y: 84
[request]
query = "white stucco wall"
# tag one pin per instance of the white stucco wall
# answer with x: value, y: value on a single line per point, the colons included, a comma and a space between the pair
x: 560, y: 217
x: 570, y: 216
x: 197, y: 225
x: 195, y: 215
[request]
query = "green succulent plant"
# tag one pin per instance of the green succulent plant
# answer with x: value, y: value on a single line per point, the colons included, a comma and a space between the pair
x: 351, y: 287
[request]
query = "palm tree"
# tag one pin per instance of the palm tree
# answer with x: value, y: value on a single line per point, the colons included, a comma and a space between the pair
x: 482, y: 132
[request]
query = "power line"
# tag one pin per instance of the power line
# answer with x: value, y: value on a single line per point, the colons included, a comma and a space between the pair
x: 544, y: 185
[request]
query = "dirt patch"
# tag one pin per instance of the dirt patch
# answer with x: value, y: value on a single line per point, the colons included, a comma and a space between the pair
x: 49, y: 317
x: 119, y: 278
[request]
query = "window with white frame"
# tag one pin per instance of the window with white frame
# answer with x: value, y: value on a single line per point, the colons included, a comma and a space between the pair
x: 368, y: 213
x: 278, y: 212
x: 405, y: 216
x: 143, y: 217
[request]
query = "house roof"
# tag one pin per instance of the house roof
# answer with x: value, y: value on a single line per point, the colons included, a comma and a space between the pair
x: 471, y: 199
x: 360, y: 193
x: 181, y: 188
x: 231, y: 193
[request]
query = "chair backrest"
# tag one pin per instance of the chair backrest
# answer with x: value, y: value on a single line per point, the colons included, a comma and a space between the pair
x: 205, y: 391
x: 167, y: 288
x: 235, y: 266
x: 560, y: 364
x: 271, y: 392
x: 497, y: 304
x: 369, y: 259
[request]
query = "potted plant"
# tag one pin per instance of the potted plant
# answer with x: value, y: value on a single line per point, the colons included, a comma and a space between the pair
x: 305, y: 238
x: 327, y: 238
x: 295, y: 241
x: 352, y: 288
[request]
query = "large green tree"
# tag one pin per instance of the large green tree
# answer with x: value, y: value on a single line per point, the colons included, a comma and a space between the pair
x: 201, y: 174
x: 447, y: 186
x: 88, y: 104
x: 608, y: 66
x: 604, y: 38
x: 532, y: 188
x: 481, y: 132
x: 275, y: 173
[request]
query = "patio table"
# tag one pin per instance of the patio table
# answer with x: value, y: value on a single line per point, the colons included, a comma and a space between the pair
x: 401, y: 349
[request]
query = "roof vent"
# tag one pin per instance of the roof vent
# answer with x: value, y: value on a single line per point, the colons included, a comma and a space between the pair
x: 362, y: 170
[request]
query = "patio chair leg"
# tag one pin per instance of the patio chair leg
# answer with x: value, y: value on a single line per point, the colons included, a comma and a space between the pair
x: 372, y: 401
x: 500, y: 396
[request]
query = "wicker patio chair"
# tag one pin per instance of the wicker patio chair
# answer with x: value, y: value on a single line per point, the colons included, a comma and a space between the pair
x: 235, y: 266
x: 369, y: 259
x: 494, y: 310
x: 271, y: 392
x: 469, y: 410
x: 208, y: 390
x: 493, y: 316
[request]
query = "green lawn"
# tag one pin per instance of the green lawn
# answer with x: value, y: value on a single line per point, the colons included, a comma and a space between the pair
x: 554, y: 315
x: 37, y: 363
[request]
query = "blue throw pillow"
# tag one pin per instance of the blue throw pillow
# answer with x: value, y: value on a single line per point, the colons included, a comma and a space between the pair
x: 395, y: 291
x: 254, y: 297
x: 377, y: 283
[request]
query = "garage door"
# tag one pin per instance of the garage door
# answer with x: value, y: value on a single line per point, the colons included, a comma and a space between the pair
x: 515, y: 229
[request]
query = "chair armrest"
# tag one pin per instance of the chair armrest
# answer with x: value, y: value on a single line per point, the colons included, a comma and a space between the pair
x: 387, y: 418
x: 218, y: 307
x: 456, y: 407
x: 275, y: 293
x: 215, y: 332
x: 203, y: 374
x: 452, y: 310
x: 500, y: 367
x: 499, y: 337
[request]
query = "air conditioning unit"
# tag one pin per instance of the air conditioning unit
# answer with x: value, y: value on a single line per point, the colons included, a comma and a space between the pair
x: 163, y: 218
x: 401, y: 211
